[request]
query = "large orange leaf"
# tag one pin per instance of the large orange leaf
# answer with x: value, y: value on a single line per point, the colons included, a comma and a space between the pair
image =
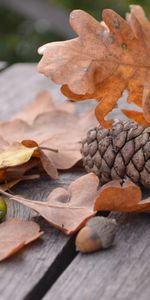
x: 124, y: 196
x: 103, y: 61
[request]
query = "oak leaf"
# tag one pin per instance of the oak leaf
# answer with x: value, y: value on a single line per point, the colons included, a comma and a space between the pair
x: 105, y: 59
x: 123, y: 196
x: 59, y: 129
x: 10, y: 176
x: 15, y: 234
x: 16, y: 155
x: 18, y: 158
x: 69, y: 209
x: 42, y: 103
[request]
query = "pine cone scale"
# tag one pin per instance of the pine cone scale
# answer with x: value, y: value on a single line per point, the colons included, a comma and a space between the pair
x: 109, y: 155
x: 120, y: 139
x: 122, y: 151
x: 138, y: 160
x: 119, y: 165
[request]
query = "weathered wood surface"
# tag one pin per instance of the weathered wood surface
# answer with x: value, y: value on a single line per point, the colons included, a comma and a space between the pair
x: 18, y: 275
x: 19, y: 85
x: 122, y: 272
x: 3, y: 65
x: 51, y: 266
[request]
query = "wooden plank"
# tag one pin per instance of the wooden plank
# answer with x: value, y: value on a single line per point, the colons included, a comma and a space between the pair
x: 19, y: 84
x: 21, y: 273
x: 121, y: 272
x: 18, y: 275
x: 3, y: 65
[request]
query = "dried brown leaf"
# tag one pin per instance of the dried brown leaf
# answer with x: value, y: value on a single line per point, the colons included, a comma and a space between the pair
x: 103, y: 61
x: 46, y: 161
x: 12, y: 175
x: 144, y: 205
x: 15, y: 234
x: 60, y: 129
x: 124, y: 196
x: 13, y: 161
x: 16, y: 155
x: 117, y: 195
x: 69, y: 209
x: 42, y: 103
x: 7, y: 185
x: 135, y: 115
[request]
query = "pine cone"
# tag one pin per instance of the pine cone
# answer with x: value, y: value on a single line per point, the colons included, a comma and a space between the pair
x: 123, y: 151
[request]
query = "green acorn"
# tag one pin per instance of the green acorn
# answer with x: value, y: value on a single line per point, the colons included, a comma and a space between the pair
x: 3, y: 209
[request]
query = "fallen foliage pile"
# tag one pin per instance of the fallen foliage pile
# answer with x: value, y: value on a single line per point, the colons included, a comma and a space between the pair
x: 105, y: 59
x: 48, y: 135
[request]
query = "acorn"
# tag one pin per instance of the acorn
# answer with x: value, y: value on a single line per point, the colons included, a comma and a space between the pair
x: 98, y: 233
x: 3, y: 209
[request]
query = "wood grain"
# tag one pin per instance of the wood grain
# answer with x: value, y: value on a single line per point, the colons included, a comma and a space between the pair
x: 121, y: 272
x: 21, y: 273
x: 19, y: 84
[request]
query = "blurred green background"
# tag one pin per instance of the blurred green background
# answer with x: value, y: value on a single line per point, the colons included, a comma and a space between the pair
x: 25, y: 25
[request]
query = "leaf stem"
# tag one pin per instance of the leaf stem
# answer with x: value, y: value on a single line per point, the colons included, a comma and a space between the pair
x: 49, y: 149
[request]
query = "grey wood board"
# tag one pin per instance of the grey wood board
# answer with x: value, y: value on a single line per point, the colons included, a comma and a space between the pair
x: 19, y: 85
x: 3, y: 65
x: 121, y: 272
x: 18, y: 275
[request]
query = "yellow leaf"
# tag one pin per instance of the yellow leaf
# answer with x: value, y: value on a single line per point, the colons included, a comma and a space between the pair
x: 16, y: 155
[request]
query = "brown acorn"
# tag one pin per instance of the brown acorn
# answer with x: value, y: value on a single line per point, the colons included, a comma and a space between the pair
x: 98, y: 233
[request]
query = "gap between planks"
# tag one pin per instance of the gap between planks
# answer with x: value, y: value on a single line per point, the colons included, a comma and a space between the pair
x: 60, y: 264
x: 119, y: 273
